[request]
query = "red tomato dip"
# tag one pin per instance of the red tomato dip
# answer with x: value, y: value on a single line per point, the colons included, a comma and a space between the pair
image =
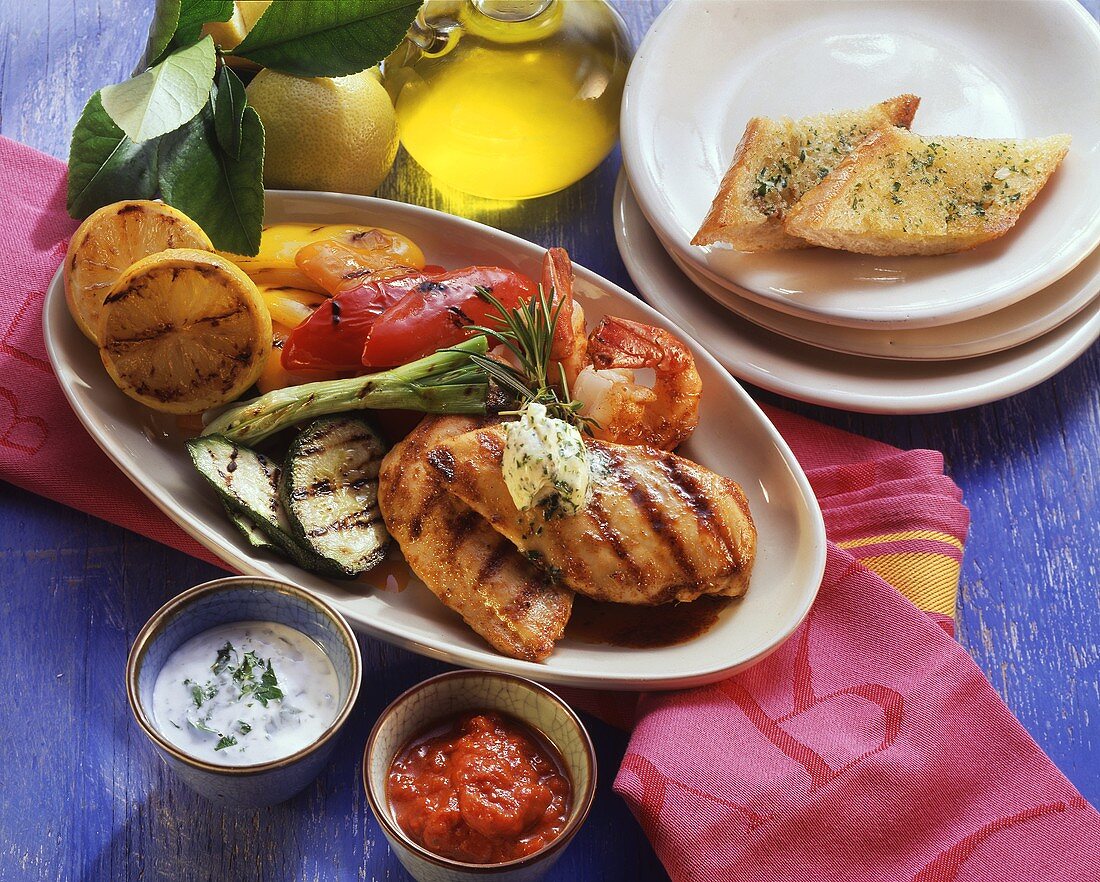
x: 482, y: 788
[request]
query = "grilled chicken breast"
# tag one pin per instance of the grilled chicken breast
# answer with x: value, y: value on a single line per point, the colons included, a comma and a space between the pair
x: 466, y: 563
x: 656, y: 528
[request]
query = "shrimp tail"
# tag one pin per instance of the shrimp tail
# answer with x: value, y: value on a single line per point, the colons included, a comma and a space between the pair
x: 622, y: 343
x: 569, y: 346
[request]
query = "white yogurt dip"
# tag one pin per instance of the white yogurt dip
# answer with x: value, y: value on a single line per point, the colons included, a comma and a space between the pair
x: 245, y: 693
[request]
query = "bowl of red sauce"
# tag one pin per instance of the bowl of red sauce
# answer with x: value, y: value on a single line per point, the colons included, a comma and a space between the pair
x: 473, y: 774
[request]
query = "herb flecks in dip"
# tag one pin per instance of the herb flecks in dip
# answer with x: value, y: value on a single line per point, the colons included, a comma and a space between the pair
x: 245, y: 693
x: 481, y: 788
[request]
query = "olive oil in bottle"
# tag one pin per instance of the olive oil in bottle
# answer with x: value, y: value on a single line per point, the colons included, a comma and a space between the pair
x: 510, y: 99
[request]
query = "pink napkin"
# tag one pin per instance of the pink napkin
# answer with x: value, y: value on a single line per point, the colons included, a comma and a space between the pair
x: 43, y: 447
x: 868, y: 747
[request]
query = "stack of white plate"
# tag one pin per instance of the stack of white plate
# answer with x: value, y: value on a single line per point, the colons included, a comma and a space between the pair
x: 877, y: 334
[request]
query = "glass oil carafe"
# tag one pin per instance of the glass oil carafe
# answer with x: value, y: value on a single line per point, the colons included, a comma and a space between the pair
x: 510, y: 99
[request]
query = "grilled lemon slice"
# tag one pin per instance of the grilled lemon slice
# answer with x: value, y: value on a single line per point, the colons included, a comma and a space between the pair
x: 184, y: 330
x: 112, y: 239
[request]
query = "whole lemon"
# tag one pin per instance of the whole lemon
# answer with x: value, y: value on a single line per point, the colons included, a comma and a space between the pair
x: 337, y: 134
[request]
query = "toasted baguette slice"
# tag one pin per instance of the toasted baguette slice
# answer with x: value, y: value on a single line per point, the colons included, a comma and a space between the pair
x: 899, y: 193
x: 780, y: 159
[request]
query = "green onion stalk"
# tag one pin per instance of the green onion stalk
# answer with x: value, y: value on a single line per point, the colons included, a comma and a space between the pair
x: 447, y: 381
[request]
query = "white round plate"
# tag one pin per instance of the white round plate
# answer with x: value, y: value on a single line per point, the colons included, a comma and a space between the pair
x: 850, y: 382
x: 984, y: 335
x: 990, y: 69
x: 791, y: 556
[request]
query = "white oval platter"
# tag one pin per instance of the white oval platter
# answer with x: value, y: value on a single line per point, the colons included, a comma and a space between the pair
x: 791, y: 531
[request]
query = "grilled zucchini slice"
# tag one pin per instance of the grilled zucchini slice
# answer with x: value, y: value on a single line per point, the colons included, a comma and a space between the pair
x: 248, y: 484
x: 329, y: 489
x: 256, y: 537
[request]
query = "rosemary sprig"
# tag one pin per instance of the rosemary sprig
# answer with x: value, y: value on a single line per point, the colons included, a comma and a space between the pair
x: 527, y: 332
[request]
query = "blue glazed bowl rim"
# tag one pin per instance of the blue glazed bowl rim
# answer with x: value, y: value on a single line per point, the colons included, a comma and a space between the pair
x: 177, y: 606
x: 378, y: 806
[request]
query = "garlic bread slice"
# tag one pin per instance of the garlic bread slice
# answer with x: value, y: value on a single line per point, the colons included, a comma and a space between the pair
x: 777, y: 161
x: 898, y: 193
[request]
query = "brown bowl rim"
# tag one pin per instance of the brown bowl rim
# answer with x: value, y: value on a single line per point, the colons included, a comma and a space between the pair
x: 559, y: 842
x: 176, y: 606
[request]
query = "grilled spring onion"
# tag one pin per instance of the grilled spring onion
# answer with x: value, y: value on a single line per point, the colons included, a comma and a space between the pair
x: 445, y: 382
x: 329, y: 490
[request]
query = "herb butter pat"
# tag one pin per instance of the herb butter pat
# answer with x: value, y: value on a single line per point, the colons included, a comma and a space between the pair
x: 545, y: 462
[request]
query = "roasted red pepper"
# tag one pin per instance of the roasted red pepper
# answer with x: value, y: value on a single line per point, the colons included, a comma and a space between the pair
x: 333, y: 337
x: 438, y: 312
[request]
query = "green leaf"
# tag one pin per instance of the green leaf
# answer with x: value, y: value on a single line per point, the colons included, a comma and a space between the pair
x: 223, y: 195
x: 327, y: 38
x: 164, y: 97
x: 229, y: 104
x: 166, y: 19
x: 104, y: 165
x: 221, y: 660
x: 195, y: 13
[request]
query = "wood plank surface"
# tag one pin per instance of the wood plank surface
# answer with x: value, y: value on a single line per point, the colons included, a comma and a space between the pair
x: 83, y: 797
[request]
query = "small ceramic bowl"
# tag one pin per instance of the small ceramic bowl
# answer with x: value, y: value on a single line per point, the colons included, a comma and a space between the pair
x: 446, y: 696
x: 238, y: 599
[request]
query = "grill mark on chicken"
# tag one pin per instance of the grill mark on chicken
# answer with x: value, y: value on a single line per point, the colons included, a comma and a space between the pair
x: 495, y: 560
x: 464, y: 562
x: 411, y: 449
x: 701, y: 505
x: 599, y: 517
x: 651, y: 510
x: 491, y: 444
x: 461, y: 528
x: 444, y: 462
x: 526, y: 597
x: 656, y: 527
x: 425, y: 505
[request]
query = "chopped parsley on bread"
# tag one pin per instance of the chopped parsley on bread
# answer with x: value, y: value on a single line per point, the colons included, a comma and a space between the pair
x: 777, y: 161
x: 898, y: 193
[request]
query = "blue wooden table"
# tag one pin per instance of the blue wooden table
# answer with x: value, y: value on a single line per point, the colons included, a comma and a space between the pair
x: 83, y: 797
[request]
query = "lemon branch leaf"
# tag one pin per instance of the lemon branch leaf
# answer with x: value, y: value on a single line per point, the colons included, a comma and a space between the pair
x: 229, y: 105
x: 106, y: 166
x: 166, y: 19
x: 327, y: 38
x: 223, y: 194
x: 195, y: 13
x: 178, y: 23
x: 166, y: 96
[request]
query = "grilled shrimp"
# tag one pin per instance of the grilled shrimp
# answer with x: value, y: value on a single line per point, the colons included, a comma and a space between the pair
x: 570, y: 345
x: 629, y: 412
